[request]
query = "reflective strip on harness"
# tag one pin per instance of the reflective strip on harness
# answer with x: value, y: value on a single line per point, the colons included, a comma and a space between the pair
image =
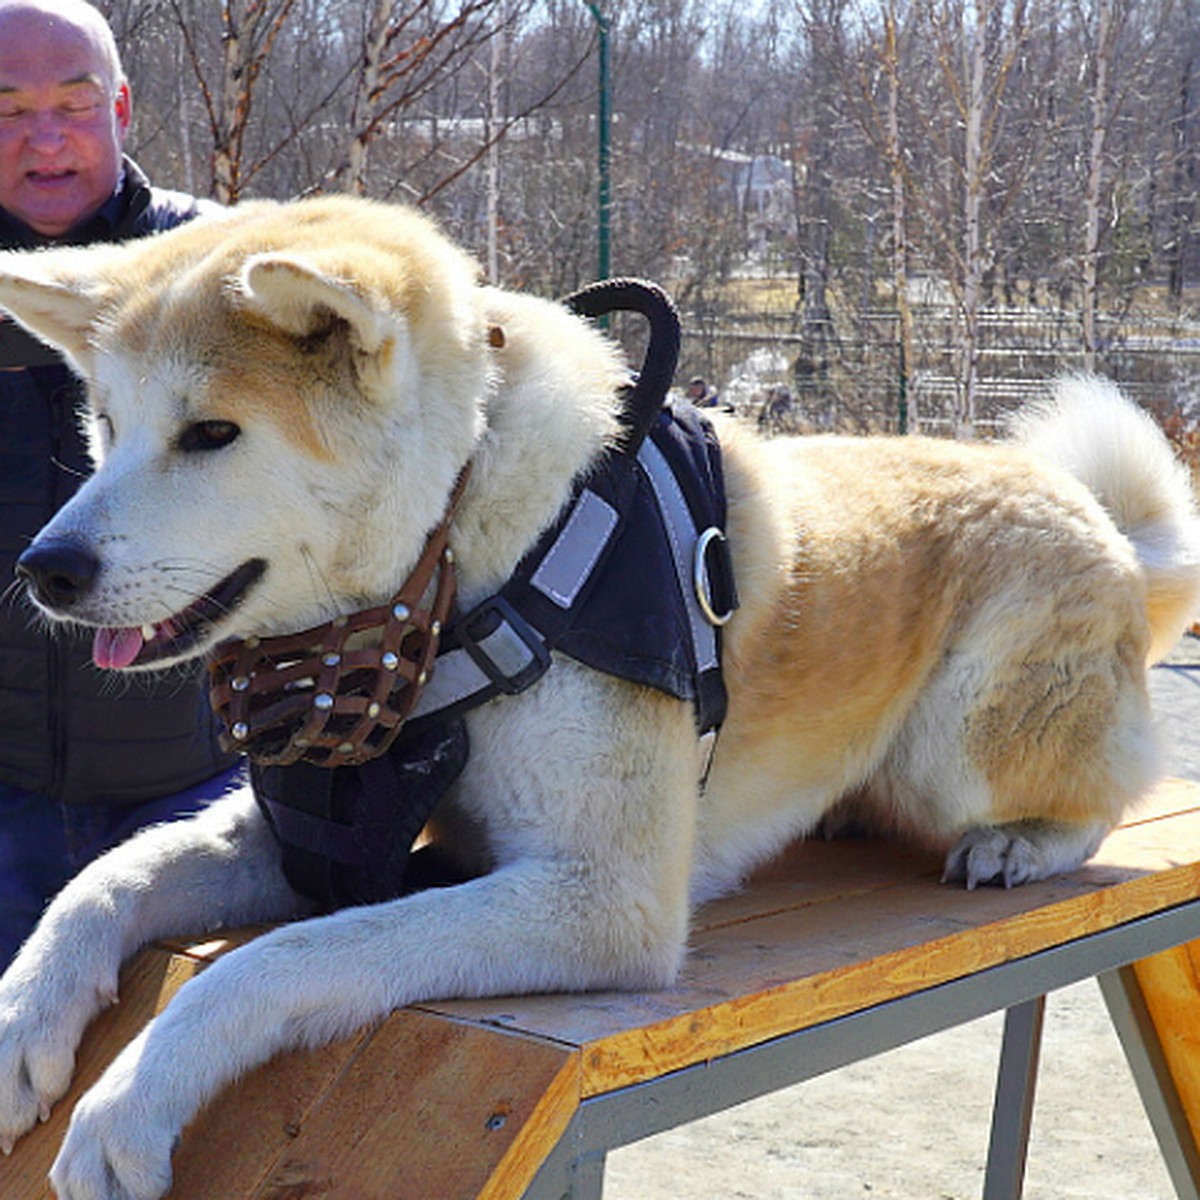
x: 460, y: 674
x: 569, y: 562
x: 681, y: 531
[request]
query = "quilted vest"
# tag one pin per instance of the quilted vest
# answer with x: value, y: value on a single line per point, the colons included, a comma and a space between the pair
x: 68, y: 730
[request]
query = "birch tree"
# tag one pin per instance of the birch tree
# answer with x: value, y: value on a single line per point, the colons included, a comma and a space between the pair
x: 876, y: 98
x: 1107, y: 21
x: 407, y: 48
x: 977, y: 43
x: 894, y: 152
x: 249, y: 29
x: 1184, y: 125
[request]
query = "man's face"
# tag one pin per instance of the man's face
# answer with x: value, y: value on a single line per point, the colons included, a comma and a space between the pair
x: 62, y: 122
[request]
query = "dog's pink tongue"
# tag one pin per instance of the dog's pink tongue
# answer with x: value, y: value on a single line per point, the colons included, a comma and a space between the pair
x: 116, y: 648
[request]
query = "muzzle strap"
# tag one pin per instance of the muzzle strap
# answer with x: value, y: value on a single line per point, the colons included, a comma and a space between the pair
x: 338, y: 694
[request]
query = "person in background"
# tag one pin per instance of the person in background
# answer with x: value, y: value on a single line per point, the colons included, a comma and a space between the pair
x: 84, y: 760
x: 700, y: 394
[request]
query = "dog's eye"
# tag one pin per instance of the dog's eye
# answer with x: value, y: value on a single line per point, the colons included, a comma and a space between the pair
x: 208, y: 435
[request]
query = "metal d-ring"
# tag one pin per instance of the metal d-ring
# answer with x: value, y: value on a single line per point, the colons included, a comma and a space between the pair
x: 700, y: 580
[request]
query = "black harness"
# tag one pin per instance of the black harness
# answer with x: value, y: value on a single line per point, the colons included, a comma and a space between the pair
x: 633, y: 579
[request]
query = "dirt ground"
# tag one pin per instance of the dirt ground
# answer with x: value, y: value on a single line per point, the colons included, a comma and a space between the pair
x: 913, y: 1124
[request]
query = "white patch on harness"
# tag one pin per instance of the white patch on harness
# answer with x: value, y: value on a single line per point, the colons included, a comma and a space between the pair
x: 568, y: 563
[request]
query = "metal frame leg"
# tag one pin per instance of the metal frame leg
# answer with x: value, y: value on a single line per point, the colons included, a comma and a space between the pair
x: 1155, y: 1085
x: 1012, y: 1111
x: 586, y: 1178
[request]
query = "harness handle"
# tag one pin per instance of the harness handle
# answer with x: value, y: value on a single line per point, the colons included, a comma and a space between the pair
x: 647, y: 396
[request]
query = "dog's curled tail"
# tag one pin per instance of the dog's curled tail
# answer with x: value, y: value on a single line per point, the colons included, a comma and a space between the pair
x: 1114, y: 447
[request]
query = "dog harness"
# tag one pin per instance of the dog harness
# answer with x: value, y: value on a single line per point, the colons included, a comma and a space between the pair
x: 633, y: 579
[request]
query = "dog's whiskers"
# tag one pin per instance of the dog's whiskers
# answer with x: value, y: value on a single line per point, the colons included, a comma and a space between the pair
x: 320, y: 583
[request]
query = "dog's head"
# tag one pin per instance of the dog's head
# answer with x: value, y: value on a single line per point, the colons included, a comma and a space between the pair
x: 280, y: 400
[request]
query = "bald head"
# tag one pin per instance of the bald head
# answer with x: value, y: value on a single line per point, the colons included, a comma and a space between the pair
x: 78, y: 15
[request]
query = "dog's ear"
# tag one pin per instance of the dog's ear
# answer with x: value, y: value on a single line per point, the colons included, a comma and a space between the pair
x: 302, y: 300
x: 58, y: 296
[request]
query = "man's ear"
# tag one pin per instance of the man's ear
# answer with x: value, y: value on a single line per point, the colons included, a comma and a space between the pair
x: 58, y: 296
x: 123, y: 109
x: 305, y: 302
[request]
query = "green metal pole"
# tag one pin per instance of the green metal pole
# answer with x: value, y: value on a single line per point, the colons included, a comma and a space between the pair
x: 604, y: 137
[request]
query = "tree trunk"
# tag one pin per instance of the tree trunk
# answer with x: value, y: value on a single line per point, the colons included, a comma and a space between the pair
x: 907, y: 417
x: 972, y: 227
x: 1094, y: 200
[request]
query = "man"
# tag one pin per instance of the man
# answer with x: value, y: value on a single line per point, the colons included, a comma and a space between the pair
x: 83, y: 762
x: 700, y: 394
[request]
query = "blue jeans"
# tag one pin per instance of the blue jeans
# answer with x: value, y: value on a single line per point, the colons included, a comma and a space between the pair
x: 44, y: 843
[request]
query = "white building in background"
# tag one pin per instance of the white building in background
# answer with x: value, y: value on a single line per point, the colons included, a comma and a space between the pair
x: 763, y: 191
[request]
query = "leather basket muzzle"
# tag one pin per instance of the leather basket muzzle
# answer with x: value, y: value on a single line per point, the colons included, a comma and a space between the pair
x: 338, y: 694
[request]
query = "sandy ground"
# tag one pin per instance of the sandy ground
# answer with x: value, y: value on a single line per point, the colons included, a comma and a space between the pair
x: 913, y: 1124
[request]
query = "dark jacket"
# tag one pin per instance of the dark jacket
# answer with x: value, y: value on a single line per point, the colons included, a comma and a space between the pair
x: 68, y: 729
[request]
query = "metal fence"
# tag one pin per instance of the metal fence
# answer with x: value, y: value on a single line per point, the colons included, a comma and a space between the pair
x: 845, y: 375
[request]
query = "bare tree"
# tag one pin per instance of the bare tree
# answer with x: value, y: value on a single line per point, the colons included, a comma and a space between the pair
x: 1104, y: 26
x: 977, y: 43
x: 406, y: 49
x: 249, y: 29
x: 1002, y: 167
x: 881, y: 67
x: 909, y: 417
x: 1184, y: 127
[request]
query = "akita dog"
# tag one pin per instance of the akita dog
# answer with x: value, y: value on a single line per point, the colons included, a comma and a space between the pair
x: 948, y: 641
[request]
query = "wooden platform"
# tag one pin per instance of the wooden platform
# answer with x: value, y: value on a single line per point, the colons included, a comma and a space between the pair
x: 839, y: 951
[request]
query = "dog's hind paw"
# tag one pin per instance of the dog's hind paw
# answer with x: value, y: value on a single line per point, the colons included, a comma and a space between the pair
x: 1021, y: 852
x: 990, y: 856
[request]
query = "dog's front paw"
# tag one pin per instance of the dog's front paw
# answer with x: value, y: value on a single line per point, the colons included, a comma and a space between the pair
x: 37, y: 1056
x: 995, y: 854
x: 117, y: 1147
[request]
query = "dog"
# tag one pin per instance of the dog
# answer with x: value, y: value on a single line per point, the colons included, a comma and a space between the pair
x: 945, y: 641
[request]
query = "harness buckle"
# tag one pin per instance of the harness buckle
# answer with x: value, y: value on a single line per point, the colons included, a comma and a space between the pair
x: 503, y: 645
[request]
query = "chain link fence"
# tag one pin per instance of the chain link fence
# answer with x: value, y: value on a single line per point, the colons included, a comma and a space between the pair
x: 847, y: 376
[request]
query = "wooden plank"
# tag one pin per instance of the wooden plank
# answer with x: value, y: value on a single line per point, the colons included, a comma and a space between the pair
x: 779, y: 983
x: 1169, y: 798
x: 430, y: 1107
x: 755, y: 977
x: 237, y: 1143
x: 821, y: 872
x: 232, y: 1144
x: 1170, y: 987
x: 818, y: 871
x: 420, y: 1106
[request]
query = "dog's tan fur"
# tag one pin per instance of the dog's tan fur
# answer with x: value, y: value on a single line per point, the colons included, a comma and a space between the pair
x: 945, y: 640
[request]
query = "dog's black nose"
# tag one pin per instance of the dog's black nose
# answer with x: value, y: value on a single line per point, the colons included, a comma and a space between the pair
x: 58, y: 573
